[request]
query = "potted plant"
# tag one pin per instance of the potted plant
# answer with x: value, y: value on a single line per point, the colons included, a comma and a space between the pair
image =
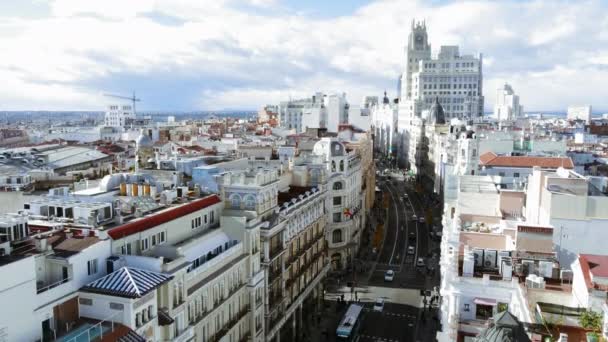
x: 591, y: 321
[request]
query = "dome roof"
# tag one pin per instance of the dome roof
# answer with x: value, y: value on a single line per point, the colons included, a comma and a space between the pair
x: 385, y: 100
x: 143, y: 140
x: 506, y: 328
x: 436, y: 114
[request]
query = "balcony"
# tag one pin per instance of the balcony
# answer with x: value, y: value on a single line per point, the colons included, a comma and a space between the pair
x: 274, y: 252
x: 42, y: 287
x: 245, y: 337
x: 275, y: 274
x: 273, y: 300
x: 232, y: 323
x: 186, y: 335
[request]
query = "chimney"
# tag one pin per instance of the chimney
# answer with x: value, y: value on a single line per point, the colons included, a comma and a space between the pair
x: 41, y: 244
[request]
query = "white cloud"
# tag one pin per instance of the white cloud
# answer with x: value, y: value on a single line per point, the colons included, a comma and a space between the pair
x: 235, y: 56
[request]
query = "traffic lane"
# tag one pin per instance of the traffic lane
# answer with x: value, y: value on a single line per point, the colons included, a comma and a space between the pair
x: 408, y: 277
x: 404, y: 228
x: 394, y: 236
x: 389, y: 235
x: 395, y: 323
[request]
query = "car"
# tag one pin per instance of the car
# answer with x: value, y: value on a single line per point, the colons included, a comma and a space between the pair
x: 389, y: 275
x: 379, y: 304
x: 412, y: 236
x: 420, y: 262
x: 411, y: 250
x: 414, y: 217
x: 421, y: 219
x: 404, y: 196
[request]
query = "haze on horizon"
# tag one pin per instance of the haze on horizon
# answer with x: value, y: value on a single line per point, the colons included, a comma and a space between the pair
x: 242, y: 54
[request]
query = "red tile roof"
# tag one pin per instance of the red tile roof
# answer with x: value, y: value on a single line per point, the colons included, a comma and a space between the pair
x: 154, y: 220
x: 593, y: 264
x: 491, y: 159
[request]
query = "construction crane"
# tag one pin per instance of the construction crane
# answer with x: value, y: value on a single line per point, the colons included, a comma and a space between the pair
x: 133, y: 99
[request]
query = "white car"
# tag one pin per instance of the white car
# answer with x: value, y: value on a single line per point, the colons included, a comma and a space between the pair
x: 411, y: 250
x: 379, y: 304
x: 420, y: 262
x: 389, y: 275
x: 404, y: 196
x: 414, y: 217
x: 421, y: 220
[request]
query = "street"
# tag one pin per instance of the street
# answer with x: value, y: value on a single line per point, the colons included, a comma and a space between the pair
x: 407, y: 314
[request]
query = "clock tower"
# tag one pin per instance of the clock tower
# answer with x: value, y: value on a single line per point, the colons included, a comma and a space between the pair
x: 418, y: 48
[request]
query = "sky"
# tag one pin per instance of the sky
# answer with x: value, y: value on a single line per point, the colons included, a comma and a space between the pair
x: 188, y: 55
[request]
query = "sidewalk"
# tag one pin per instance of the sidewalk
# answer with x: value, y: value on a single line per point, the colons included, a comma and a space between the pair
x: 322, y: 327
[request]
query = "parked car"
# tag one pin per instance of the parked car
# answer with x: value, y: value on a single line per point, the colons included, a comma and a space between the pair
x: 389, y: 275
x: 420, y: 262
x: 405, y: 196
x: 421, y: 220
x: 411, y: 250
x: 379, y: 304
x: 414, y: 217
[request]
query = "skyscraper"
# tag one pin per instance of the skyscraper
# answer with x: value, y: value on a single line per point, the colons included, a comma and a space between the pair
x: 507, y: 106
x: 455, y: 80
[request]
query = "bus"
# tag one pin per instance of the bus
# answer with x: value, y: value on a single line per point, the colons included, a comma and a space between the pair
x: 348, y: 326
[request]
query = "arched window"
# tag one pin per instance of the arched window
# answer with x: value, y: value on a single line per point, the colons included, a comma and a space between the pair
x: 338, y: 186
x: 341, y: 165
x: 336, y: 236
x: 250, y: 202
x: 235, y: 201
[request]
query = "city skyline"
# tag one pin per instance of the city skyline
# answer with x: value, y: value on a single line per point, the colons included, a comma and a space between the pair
x: 62, y: 55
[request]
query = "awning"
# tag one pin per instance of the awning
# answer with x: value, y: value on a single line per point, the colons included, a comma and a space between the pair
x: 485, y: 301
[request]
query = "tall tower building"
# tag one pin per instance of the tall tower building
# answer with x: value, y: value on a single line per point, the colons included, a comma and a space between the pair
x: 451, y: 79
x: 418, y: 49
x: 507, y: 106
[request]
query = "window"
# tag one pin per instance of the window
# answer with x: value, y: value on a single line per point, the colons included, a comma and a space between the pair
x: 501, y: 174
x: 516, y: 174
x: 467, y: 308
x: 235, y: 201
x: 117, y: 306
x: 153, y: 240
x: 337, y: 217
x: 92, y: 267
x: 85, y: 301
x: 341, y: 165
x: 212, y: 216
x: 338, y: 186
x: 143, y: 244
x: 336, y: 236
x: 337, y: 200
x: 126, y: 249
x: 161, y: 237
x: 205, y: 219
x: 250, y: 202
x: 474, y: 152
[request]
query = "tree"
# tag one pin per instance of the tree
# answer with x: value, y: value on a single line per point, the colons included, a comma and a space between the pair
x: 592, y: 321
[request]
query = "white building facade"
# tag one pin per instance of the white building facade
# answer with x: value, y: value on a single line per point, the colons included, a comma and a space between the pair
x: 507, y: 106
x: 454, y: 80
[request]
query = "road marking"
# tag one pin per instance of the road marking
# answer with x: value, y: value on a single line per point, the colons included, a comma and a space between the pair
x: 396, y: 230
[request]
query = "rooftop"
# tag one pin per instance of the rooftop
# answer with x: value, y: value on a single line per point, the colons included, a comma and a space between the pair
x: 127, y: 282
x: 157, y: 218
x: 593, y: 265
x: 492, y: 159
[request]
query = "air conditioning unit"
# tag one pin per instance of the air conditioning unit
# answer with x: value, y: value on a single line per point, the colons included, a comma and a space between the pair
x: 506, y: 268
x: 535, y: 282
x: 114, y: 263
